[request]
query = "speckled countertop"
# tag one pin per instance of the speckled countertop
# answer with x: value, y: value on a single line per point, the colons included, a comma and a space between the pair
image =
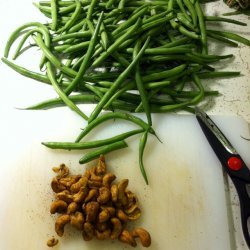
x: 235, y: 92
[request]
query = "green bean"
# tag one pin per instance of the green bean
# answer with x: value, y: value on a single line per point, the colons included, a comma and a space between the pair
x: 130, y: 21
x: 193, y: 101
x: 91, y: 144
x: 221, y: 39
x: 77, y: 47
x: 104, y: 37
x: 183, y: 11
x: 140, y: 87
x: 101, y: 151
x: 117, y: 83
x: 86, y: 61
x: 110, y: 116
x: 84, y: 34
x: 231, y: 36
x: 118, y: 94
x: 164, y: 74
x: 54, y: 14
x: 154, y: 85
x: 67, y: 9
x: 91, y: 9
x: 186, y: 22
x: 218, y: 74
x: 192, y: 10
x: 72, y: 19
x: 77, y: 26
x: 164, y: 51
x: 110, y: 3
x: 116, y: 44
x: 221, y: 19
x: 142, y: 145
x: 121, y: 4
x: 15, y: 34
x: 65, y: 99
x: 202, y: 26
x: 25, y: 72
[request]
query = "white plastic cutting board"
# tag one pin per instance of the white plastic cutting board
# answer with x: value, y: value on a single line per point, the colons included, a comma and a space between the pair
x: 184, y: 207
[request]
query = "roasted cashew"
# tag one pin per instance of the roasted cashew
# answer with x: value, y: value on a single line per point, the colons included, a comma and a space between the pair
x: 121, y: 215
x: 135, y: 214
x: 94, y: 184
x: 126, y: 237
x: 56, y: 185
x: 107, y: 179
x: 104, y: 195
x: 88, y: 231
x: 93, y: 193
x: 114, y: 193
x: 103, y: 216
x: 58, y: 206
x: 82, y: 182
x: 70, y: 180
x: 122, y: 198
x: 80, y: 196
x: 65, y: 196
x: 72, y: 207
x: 102, y: 235
x: 132, y: 202
x: 52, y: 242
x: 94, y: 177
x: 101, y: 166
x: 143, y: 235
x: 77, y: 220
x: 117, y: 228
x: 62, y: 171
x: 61, y: 221
x: 110, y: 209
x: 91, y: 211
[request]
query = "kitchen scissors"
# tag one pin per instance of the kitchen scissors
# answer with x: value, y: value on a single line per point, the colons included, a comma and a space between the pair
x: 232, y: 164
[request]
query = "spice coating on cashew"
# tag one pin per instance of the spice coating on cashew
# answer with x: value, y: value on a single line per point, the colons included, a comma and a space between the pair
x: 122, y: 185
x: 143, y: 235
x: 101, y: 166
x: 88, y: 231
x: 108, y: 179
x: 58, y: 206
x: 77, y: 220
x: 104, y: 195
x: 61, y: 221
x: 117, y: 228
x: 126, y: 237
x: 91, y: 211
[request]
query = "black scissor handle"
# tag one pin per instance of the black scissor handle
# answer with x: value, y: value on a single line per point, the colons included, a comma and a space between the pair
x: 244, y: 199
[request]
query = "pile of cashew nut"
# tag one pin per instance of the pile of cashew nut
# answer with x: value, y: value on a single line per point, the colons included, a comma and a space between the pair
x: 95, y: 205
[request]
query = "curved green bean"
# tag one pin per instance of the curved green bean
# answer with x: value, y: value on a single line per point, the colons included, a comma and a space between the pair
x: 142, y: 145
x: 101, y: 151
x: 91, y: 144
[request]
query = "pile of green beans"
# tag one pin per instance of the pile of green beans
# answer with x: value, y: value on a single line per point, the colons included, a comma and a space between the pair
x: 124, y: 56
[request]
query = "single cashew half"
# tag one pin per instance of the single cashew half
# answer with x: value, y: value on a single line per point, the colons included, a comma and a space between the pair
x: 101, y: 166
x: 104, y: 195
x: 102, y: 235
x: 91, y: 210
x: 107, y: 179
x: 92, y: 195
x: 72, y: 207
x: 126, y: 237
x: 121, y: 215
x: 122, y: 185
x: 61, y: 221
x: 52, y: 242
x: 80, y: 196
x: 58, y: 206
x: 65, y: 196
x: 114, y: 193
x: 88, y: 231
x: 110, y: 209
x: 117, y: 228
x: 143, y: 235
x: 77, y: 220
x: 135, y: 214
x: 103, y: 216
x: 69, y: 180
x: 56, y: 185
x: 82, y: 182
x: 62, y: 170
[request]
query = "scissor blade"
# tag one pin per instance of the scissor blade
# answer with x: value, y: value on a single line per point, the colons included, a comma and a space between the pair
x: 220, y: 144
